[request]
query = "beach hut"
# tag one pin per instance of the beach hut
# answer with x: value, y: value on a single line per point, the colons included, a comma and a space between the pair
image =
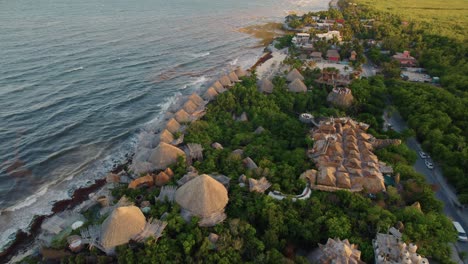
x: 121, y: 226
x: 166, y: 136
x: 340, y: 97
x: 182, y: 116
x: 190, y: 107
x: 173, y: 126
x: 219, y: 87
x: 293, y: 75
x: 203, y: 197
x: 297, y: 86
x: 196, y: 99
x: 233, y: 77
x: 266, y: 86
x: 210, y: 94
x: 165, y: 155
x: 225, y: 81
x: 240, y: 72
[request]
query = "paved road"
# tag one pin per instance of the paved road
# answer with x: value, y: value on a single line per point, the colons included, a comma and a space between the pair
x: 445, y: 193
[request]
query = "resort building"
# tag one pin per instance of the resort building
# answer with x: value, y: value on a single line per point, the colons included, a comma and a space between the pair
x: 333, y: 55
x: 341, y: 97
x: 390, y: 249
x: 338, y: 251
x: 405, y: 59
x: 329, y: 35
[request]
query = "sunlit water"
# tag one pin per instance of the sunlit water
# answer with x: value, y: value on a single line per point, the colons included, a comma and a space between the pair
x: 80, y: 79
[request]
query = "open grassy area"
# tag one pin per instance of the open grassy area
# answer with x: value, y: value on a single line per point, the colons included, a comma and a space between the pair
x: 449, y: 18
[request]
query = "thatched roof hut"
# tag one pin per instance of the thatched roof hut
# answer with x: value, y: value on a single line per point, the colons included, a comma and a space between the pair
x: 293, y: 75
x: 218, y: 86
x: 202, y: 196
x: 190, y: 107
x: 233, y: 77
x: 240, y: 72
x: 161, y: 179
x: 196, y: 99
x: 297, y: 86
x: 338, y: 251
x: 173, y: 126
x: 122, y: 225
x: 341, y: 97
x: 225, y: 81
x: 165, y: 155
x: 166, y: 136
x: 266, y: 86
x: 182, y: 116
x: 210, y: 94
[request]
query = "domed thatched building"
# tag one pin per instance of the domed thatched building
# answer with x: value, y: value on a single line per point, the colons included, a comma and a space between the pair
x: 190, y: 107
x: 210, y: 94
x: 240, y: 72
x: 203, y: 197
x: 233, y: 77
x: 196, y: 99
x: 121, y: 226
x: 225, y: 81
x: 341, y: 97
x: 173, y: 126
x: 297, y: 86
x: 182, y: 116
x: 166, y: 136
x: 266, y: 86
x: 165, y: 155
x: 293, y: 75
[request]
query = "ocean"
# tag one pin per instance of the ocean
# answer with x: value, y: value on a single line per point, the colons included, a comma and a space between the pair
x: 81, y: 81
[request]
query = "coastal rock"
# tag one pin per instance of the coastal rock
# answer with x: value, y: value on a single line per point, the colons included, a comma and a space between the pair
x: 249, y: 163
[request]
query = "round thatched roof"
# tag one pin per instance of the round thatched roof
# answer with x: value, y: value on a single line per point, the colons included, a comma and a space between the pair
x: 210, y: 94
x: 120, y: 226
x: 233, y: 77
x: 202, y: 196
x: 173, y: 126
x: 240, y: 72
x: 161, y: 179
x: 166, y: 136
x: 190, y: 107
x: 182, y: 116
x: 266, y: 86
x: 297, y: 86
x: 165, y: 155
x: 225, y: 81
x: 293, y: 75
x: 196, y: 99
x: 341, y: 98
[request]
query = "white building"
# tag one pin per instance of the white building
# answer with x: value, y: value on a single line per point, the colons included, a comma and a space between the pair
x: 329, y: 35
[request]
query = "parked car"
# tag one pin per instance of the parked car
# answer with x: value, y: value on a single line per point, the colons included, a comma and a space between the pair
x: 429, y: 165
x: 461, y: 232
x: 422, y: 154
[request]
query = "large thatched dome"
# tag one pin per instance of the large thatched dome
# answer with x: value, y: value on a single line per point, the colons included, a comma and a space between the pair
x: 165, y: 155
x: 297, y: 86
x: 266, y: 86
x: 293, y: 75
x: 202, y: 196
x: 121, y: 226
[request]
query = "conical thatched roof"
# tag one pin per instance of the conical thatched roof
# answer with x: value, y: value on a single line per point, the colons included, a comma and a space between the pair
x: 225, y: 81
x: 166, y: 136
x: 182, y: 116
x: 218, y: 86
x: 121, y: 226
x: 266, y: 86
x: 165, y: 155
x: 202, y: 196
x: 190, y: 107
x: 210, y: 94
x: 293, y: 75
x: 297, y: 86
x: 233, y: 77
x: 240, y: 72
x: 196, y: 99
x: 161, y: 179
x: 340, y: 99
x: 173, y: 126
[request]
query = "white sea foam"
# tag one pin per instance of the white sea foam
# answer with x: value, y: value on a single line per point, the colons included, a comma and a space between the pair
x: 196, y: 83
x: 234, y: 62
x: 200, y: 55
x: 75, y: 69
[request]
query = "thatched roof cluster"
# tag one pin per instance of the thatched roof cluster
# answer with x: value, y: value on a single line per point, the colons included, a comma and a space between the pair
x: 293, y: 75
x: 266, y: 86
x: 203, y: 197
x: 390, y: 248
x: 339, y: 251
x: 164, y: 155
x: 297, y: 86
x: 260, y: 185
x: 341, y: 97
x: 343, y: 154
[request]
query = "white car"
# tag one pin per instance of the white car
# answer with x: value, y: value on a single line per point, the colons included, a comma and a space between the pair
x: 429, y: 164
x: 422, y: 154
x: 461, y: 232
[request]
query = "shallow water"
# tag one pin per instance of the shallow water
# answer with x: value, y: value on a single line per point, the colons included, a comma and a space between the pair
x: 79, y: 80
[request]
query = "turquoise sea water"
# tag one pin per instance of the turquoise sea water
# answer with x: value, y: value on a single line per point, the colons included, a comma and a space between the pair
x: 80, y: 80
